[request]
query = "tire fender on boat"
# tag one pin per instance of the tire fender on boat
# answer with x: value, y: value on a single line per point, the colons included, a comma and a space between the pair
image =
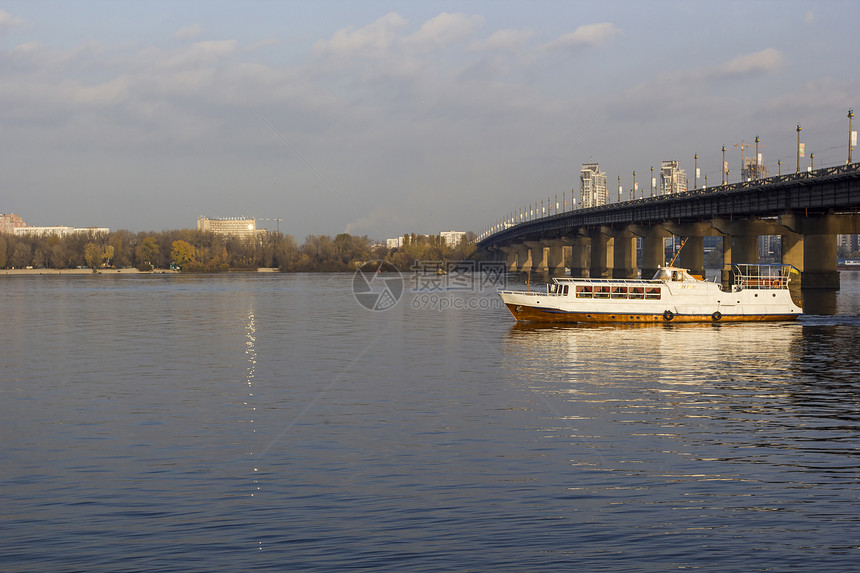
x: 717, y: 316
x: 668, y: 315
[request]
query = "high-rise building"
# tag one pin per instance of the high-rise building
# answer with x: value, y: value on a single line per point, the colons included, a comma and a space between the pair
x: 592, y: 186
x: 453, y: 238
x: 753, y: 169
x: 672, y: 178
x: 9, y: 222
x: 236, y: 226
x: 849, y: 242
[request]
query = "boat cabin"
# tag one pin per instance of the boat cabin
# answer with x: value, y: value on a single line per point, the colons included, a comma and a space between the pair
x: 673, y: 274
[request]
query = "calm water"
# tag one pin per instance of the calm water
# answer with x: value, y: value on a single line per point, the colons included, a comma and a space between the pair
x: 270, y: 423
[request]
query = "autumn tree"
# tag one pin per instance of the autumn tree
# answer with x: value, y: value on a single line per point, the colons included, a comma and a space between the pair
x: 183, y: 253
x: 146, y: 254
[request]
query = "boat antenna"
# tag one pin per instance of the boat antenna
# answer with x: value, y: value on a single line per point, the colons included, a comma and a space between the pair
x: 684, y: 242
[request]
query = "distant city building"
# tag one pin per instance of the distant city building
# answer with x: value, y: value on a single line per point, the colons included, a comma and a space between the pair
x: 769, y: 247
x: 59, y: 231
x: 10, y: 222
x: 453, y: 238
x: 395, y: 243
x: 753, y: 169
x: 672, y: 178
x: 850, y: 242
x: 592, y: 186
x: 234, y: 226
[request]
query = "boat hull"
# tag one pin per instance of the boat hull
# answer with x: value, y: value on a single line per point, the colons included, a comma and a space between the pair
x: 528, y: 313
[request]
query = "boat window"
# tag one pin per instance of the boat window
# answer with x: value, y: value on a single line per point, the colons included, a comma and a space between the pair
x: 619, y: 292
x: 652, y: 293
x: 565, y: 290
x: 583, y: 292
x: 553, y: 288
x: 663, y: 275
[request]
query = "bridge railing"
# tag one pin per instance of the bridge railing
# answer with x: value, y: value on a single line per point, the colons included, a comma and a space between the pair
x: 725, y: 188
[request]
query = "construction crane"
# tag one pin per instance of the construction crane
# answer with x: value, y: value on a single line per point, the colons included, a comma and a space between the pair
x: 743, y: 147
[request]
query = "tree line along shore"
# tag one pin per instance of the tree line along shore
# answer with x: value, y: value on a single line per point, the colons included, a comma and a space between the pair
x: 189, y: 250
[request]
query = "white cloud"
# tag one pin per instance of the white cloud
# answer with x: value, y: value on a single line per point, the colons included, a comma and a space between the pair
x: 765, y: 61
x: 262, y: 44
x: 372, y: 40
x: 503, y: 41
x: 692, y: 92
x: 821, y: 93
x: 200, y: 53
x: 679, y: 91
x: 444, y: 29
x: 189, y: 32
x: 588, y: 36
x: 8, y: 21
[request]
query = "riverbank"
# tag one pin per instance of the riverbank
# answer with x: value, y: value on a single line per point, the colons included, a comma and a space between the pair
x: 132, y: 271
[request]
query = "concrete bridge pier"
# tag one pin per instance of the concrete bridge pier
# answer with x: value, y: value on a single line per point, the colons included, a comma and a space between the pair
x: 601, y: 253
x: 744, y: 249
x: 579, y: 257
x: 624, y: 254
x: 692, y: 256
x: 819, y: 262
x: 653, y: 250
x: 510, y: 257
x: 538, y: 256
x: 555, y: 256
x: 818, y: 268
x: 523, y: 258
x: 737, y: 249
x: 792, y: 249
x: 726, y: 271
x: 740, y: 244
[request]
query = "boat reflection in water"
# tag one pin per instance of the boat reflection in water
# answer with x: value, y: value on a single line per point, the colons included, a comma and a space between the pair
x: 694, y: 353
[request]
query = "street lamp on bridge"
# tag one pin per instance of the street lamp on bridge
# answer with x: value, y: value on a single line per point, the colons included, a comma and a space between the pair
x: 695, y: 171
x: 652, y: 180
x: 798, y: 149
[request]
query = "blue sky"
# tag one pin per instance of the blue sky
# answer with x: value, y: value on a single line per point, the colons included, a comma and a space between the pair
x: 382, y: 118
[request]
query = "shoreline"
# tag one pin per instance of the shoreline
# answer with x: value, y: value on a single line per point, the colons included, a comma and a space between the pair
x: 89, y: 272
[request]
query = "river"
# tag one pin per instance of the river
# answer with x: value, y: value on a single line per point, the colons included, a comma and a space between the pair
x: 270, y: 422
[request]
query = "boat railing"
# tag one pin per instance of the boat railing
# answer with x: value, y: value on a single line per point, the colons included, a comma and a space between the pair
x: 528, y: 292
x: 562, y: 286
x: 588, y: 280
x: 762, y: 276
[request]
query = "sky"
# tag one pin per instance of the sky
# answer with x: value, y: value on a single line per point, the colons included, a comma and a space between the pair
x: 383, y: 118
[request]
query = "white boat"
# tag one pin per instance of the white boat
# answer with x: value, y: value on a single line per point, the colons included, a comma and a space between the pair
x: 758, y: 293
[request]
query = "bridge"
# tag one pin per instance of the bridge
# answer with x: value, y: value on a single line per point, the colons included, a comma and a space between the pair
x: 807, y: 210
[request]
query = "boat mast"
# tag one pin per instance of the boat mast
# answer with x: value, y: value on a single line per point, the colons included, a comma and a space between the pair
x: 684, y: 242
